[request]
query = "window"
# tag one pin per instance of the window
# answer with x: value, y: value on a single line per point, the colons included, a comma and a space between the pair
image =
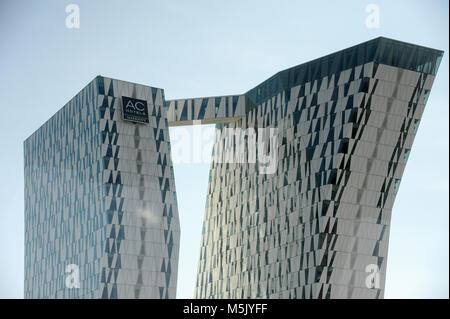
x: 406, y: 156
x: 365, y: 85
x: 396, y: 185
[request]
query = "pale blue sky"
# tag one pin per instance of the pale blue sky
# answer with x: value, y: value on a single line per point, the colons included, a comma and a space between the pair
x: 203, y: 48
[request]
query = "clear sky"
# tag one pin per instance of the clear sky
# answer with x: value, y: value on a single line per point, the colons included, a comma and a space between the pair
x: 204, y: 48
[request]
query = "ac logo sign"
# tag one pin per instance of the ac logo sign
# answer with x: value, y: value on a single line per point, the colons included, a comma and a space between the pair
x: 134, y: 110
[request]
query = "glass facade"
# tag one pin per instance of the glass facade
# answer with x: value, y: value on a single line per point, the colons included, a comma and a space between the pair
x: 346, y: 123
x: 100, y: 197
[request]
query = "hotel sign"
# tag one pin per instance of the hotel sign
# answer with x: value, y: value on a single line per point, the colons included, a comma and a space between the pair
x: 134, y: 110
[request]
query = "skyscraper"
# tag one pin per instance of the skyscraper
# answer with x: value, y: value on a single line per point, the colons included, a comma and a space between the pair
x: 319, y: 226
x: 101, y: 217
x: 314, y: 223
